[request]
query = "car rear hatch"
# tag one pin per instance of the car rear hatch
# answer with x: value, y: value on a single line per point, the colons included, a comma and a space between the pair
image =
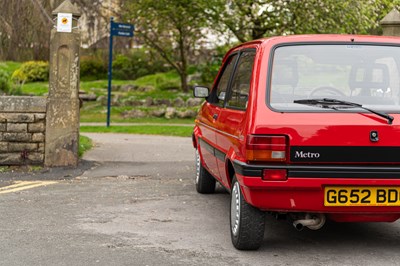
x: 344, y: 143
x: 337, y: 103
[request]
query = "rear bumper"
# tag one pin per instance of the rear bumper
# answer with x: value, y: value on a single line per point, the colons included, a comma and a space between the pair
x: 319, y: 171
x: 303, y: 191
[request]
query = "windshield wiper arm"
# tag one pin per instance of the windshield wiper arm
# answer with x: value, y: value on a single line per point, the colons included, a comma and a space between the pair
x: 331, y: 103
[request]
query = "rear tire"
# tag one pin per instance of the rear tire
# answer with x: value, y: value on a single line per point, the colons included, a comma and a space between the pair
x: 205, y: 182
x: 247, y: 223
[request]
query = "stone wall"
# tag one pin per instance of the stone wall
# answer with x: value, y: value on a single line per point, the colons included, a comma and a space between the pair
x: 22, y: 130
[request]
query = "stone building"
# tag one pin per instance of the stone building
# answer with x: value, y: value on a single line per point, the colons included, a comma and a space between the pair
x: 95, y: 23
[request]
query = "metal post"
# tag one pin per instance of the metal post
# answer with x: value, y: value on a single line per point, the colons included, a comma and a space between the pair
x: 110, y: 73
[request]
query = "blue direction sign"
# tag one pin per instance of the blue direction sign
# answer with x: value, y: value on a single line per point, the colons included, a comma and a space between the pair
x: 122, y: 26
x: 121, y: 30
x: 121, y: 33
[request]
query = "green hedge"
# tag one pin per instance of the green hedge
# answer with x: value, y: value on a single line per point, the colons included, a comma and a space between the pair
x: 31, y: 71
x: 4, y: 81
x: 136, y: 64
x: 92, y: 68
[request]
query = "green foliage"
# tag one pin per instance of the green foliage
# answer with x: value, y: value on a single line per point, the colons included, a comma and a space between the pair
x: 332, y: 16
x: 6, y: 86
x: 9, y: 66
x: 19, y: 76
x: 4, y: 169
x: 136, y: 64
x: 249, y: 20
x: 171, y: 28
x: 124, y: 68
x: 209, y: 70
x: 4, y: 81
x: 160, y: 81
x: 167, y: 84
x: 181, y: 131
x: 92, y: 68
x: 85, y: 144
x: 16, y: 89
x: 34, y: 88
x: 31, y: 71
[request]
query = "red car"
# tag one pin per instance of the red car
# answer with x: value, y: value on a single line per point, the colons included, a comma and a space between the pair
x: 303, y: 127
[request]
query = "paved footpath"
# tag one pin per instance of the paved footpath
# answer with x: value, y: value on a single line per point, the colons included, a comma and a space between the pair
x: 139, y: 148
x: 128, y: 154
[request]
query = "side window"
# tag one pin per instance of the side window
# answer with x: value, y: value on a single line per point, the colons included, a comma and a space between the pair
x: 223, y: 82
x: 239, y: 94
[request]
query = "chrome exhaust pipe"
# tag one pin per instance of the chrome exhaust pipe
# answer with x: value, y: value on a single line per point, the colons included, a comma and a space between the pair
x: 312, y: 221
x: 298, y: 225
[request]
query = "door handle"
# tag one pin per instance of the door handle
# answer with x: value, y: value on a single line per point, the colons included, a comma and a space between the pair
x: 215, y: 116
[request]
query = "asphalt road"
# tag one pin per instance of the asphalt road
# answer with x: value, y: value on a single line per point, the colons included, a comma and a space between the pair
x: 132, y: 202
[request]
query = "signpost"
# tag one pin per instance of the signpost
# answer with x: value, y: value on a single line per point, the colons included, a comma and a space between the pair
x: 119, y: 30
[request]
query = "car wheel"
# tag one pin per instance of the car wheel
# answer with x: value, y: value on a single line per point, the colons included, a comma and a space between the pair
x: 205, y: 182
x: 247, y: 222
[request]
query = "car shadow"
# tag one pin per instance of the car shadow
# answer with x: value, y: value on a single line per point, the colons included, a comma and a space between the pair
x: 346, y: 236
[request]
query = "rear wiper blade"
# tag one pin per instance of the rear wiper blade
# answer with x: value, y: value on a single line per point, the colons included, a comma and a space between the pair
x: 333, y: 103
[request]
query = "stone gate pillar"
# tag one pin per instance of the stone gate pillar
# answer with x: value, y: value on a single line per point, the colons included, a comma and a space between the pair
x: 62, y: 120
x: 391, y: 23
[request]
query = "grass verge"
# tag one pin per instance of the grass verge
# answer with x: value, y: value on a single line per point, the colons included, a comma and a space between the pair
x: 36, y: 88
x: 10, y: 66
x: 85, y: 144
x: 179, y: 131
x: 4, y: 169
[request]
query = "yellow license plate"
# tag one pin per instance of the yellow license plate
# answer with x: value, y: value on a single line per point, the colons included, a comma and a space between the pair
x: 362, y: 196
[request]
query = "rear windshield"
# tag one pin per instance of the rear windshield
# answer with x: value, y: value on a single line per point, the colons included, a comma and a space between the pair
x: 363, y: 74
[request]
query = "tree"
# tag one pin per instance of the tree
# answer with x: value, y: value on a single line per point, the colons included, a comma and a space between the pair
x: 253, y: 19
x: 23, y: 31
x: 332, y: 16
x: 246, y: 19
x: 25, y: 25
x: 171, y: 28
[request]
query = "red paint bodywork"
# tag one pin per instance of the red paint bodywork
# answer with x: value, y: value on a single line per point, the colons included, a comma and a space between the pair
x: 226, y: 130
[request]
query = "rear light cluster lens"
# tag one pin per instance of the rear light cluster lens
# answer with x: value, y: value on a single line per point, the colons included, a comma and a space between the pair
x: 274, y: 174
x: 261, y: 148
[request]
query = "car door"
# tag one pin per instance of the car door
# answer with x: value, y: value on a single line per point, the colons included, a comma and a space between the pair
x: 232, y: 118
x: 209, y: 116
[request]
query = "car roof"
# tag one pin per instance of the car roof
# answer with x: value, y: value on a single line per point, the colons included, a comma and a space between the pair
x: 312, y: 38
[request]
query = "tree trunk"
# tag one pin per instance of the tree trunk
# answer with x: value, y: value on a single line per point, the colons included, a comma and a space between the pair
x: 184, y: 83
x: 183, y: 63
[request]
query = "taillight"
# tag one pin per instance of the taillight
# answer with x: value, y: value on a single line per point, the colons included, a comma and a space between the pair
x: 266, y: 148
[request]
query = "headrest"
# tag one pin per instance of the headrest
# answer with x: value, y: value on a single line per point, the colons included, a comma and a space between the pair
x: 375, y: 76
x: 284, y: 72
